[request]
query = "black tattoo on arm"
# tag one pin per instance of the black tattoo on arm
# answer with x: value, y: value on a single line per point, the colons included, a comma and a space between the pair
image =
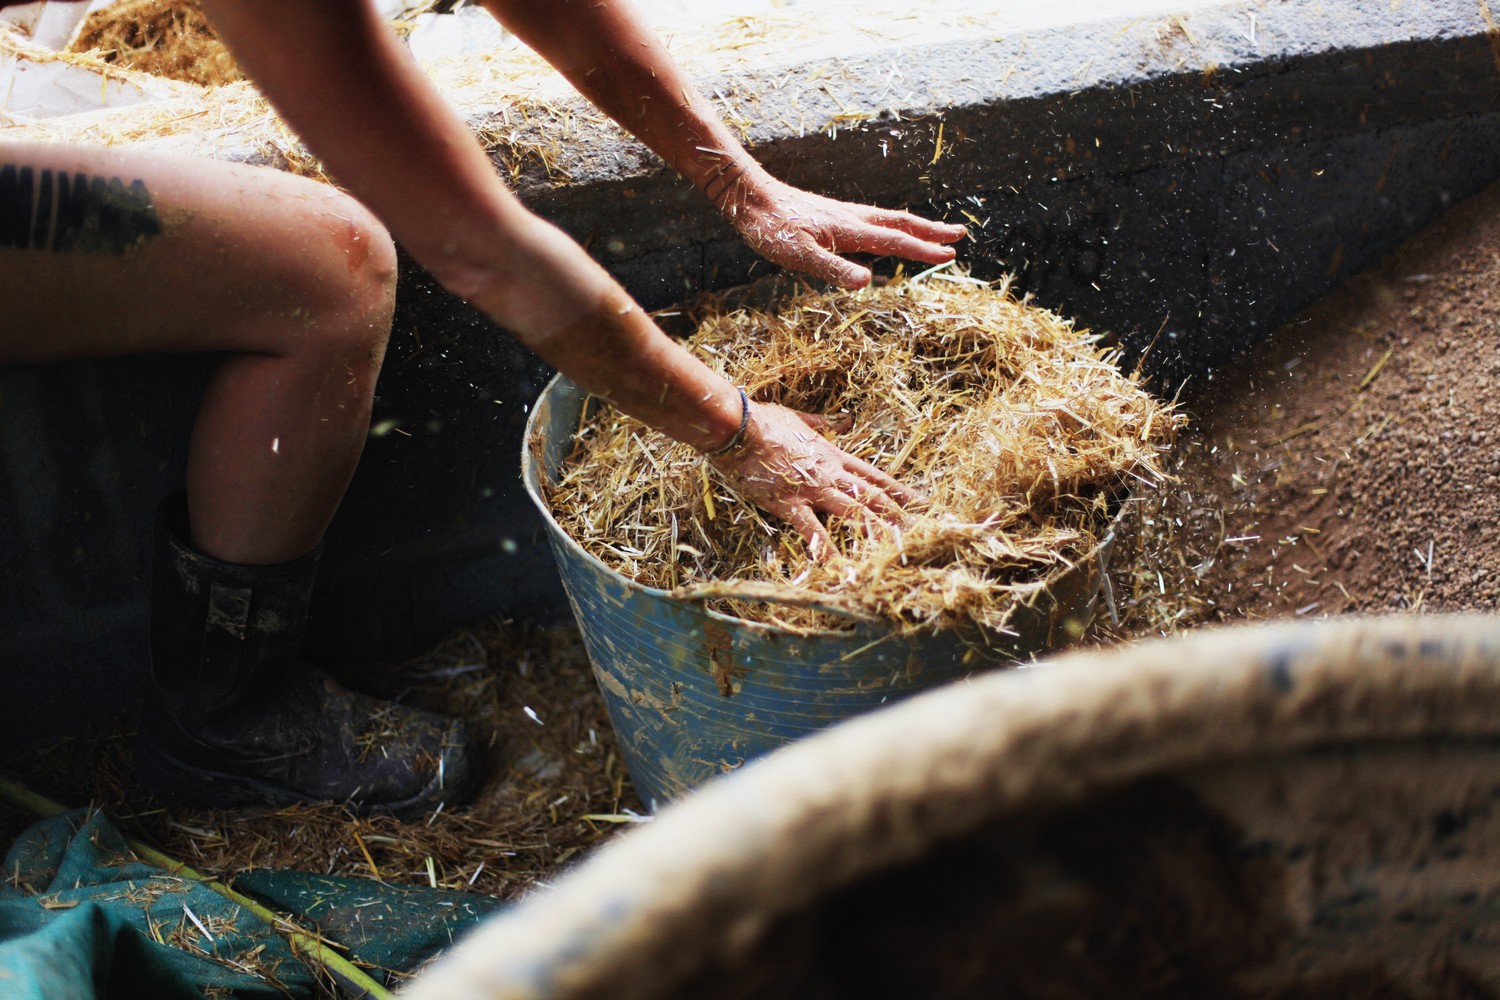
x: 68, y: 212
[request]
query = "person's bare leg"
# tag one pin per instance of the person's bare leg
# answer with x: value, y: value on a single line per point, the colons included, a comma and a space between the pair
x: 106, y: 252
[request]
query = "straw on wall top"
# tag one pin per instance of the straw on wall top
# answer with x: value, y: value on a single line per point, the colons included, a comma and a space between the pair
x: 167, y: 38
x: 1019, y: 426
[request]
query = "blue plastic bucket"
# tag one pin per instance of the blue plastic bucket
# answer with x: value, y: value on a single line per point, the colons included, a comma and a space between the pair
x: 693, y: 693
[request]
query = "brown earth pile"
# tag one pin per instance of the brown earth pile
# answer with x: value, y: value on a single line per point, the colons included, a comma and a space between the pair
x: 1349, y: 465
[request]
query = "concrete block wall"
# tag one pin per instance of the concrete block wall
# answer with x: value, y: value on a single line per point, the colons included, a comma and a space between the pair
x: 1193, y: 180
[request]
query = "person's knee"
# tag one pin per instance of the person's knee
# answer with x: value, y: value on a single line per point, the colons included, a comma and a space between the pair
x: 352, y: 295
x: 368, y: 295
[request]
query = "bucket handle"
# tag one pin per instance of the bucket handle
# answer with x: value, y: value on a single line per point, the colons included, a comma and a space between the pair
x: 774, y: 593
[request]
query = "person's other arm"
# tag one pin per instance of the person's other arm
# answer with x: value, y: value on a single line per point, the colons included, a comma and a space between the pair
x: 617, y: 61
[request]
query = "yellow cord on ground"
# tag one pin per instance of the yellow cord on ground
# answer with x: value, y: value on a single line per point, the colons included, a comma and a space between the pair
x: 303, y: 943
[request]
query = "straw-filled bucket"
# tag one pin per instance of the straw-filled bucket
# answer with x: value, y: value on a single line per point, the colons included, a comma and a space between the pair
x: 692, y: 693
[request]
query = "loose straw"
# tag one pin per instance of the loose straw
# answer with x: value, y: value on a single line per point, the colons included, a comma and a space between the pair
x: 1020, y: 427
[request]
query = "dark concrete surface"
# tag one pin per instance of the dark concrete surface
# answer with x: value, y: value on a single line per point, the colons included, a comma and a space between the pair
x: 1191, y: 181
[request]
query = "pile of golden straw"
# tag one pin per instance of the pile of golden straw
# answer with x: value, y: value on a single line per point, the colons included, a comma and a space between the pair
x: 1021, y: 429
x: 166, y: 38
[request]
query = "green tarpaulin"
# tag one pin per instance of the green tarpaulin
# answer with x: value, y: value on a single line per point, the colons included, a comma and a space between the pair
x: 82, y: 917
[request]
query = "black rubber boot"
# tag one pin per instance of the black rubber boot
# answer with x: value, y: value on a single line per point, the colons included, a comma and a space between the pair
x: 239, y: 718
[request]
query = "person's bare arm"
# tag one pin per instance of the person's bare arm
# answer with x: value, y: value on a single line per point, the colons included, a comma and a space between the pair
x: 344, y: 82
x: 617, y: 62
x: 342, y: 79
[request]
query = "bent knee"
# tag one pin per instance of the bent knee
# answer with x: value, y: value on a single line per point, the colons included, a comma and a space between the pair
x: 350, y: 286
x: 369, y: 253
x: 366, y: 258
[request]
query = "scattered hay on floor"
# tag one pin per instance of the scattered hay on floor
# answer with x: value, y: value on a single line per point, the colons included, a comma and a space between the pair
x: 556, y: 787
x: 1019, y: 426
x: 165, y: 38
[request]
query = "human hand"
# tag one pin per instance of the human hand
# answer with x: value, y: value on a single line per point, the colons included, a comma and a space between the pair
x: 787, y: 467
x: 806, y: 232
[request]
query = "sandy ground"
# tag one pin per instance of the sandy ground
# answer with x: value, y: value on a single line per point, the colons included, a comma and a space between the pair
x: 1353, y: 468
